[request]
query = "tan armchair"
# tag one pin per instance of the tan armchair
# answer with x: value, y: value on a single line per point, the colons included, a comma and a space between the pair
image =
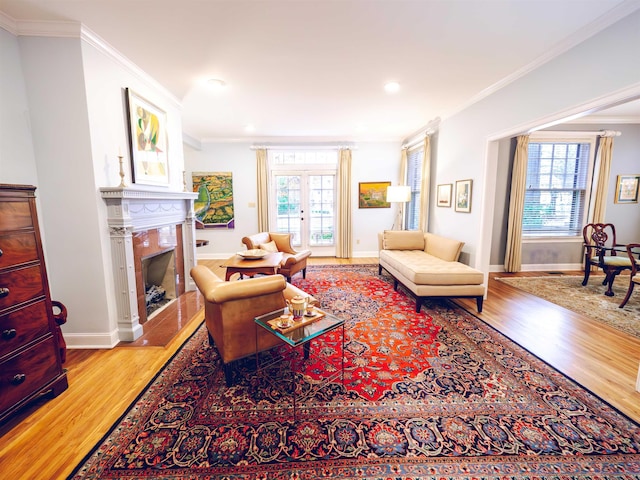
x: 230, y: 309
x: 292, y: 261
x: 633, y: 250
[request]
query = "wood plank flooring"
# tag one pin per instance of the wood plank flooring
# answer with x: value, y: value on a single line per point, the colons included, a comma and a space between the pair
x: 47, y: 440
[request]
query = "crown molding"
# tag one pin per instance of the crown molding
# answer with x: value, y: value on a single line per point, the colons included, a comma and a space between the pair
x: 606, y: 119
x: 621, y: 11
x: 300, y: 141
x: 8, y: 23
x: 61, y: 29
x: 47, y: 28
x: 574, y: 114
x: 103, y: 46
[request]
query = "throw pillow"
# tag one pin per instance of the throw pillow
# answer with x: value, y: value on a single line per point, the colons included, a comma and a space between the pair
x: 269, y: 247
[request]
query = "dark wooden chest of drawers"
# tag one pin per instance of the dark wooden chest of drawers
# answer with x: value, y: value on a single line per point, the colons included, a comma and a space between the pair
x: 30, y: 360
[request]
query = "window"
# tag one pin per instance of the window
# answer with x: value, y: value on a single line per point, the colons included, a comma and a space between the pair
x: 414, y: 180
x: 557, y: 188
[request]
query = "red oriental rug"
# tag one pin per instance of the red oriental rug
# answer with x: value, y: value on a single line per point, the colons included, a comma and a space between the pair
x: 436, y: 394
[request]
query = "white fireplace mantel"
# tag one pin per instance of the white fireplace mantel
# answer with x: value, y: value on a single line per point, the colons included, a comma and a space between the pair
x: 135, y: 209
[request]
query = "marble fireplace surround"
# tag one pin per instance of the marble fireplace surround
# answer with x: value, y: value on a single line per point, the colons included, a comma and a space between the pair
x: 135, y: 209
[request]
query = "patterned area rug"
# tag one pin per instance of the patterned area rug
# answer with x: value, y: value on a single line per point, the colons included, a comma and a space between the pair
x: 568, y: 292
x: 436, y: 394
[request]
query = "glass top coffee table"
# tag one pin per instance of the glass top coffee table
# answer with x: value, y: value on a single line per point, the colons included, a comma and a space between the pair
x: 301, y: 333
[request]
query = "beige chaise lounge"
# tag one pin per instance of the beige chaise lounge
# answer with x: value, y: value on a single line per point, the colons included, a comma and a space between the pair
x: 427, y: 265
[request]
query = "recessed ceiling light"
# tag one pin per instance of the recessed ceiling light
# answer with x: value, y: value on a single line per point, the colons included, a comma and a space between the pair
x: 392, y: 87
x: 249, y: 128
x: 216, y: 83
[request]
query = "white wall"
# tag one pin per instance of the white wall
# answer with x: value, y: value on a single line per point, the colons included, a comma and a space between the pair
x: 75, y: 90
x: 69, y: 211
x: 371, y: 162
x: 596, y: 69
x: 17, y: 160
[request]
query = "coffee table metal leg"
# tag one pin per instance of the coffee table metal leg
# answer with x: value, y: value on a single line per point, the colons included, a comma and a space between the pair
x: 343, y: 354
x: 293, y: 383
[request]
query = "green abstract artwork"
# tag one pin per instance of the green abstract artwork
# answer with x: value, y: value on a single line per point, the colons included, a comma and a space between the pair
x: 214, y: 205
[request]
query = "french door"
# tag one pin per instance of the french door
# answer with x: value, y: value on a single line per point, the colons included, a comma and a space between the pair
x: 303, y: 204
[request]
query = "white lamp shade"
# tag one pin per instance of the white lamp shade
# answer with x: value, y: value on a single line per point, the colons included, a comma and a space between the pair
x: 398, y: 193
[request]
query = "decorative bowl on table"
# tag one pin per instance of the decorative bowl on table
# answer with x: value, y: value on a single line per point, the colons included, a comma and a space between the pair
x: 253, y: 254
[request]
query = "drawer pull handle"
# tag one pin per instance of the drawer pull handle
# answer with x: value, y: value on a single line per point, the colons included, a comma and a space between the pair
x: 18, y: 378
x: 9, y: 333
x: 4, y: 292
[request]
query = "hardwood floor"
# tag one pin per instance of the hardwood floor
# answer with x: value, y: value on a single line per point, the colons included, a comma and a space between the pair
x: 47, y: 440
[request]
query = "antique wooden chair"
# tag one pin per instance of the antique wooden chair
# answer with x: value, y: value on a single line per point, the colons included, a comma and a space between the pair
x: 601, y: 250
x: 633, y: 251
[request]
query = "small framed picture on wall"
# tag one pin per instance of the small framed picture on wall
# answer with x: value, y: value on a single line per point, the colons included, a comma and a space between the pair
x: 627, y: 189
x: 444, y: 195
x: 463, y: 196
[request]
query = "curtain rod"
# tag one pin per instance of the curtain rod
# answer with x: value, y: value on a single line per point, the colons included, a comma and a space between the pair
x: 600, y: 133
x: 416, y: 140
x: 304, y: 146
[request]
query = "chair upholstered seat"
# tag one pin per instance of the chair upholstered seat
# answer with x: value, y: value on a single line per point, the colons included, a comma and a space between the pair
x: 601, y: 250
x: 633, y: 255
x: 617, y: 261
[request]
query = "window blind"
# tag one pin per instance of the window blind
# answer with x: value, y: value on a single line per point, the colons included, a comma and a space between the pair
x: 414, y: 180
x: 556, y: 190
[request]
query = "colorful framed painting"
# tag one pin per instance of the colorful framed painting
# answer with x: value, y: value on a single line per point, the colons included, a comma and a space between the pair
x: 373, y: 195
x: 148, y: 141
x: 444, y: 195
x: 463, y: 196
x: 214, y: 205
x: 627, y: 189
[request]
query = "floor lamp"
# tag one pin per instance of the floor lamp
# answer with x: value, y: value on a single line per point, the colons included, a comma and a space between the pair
x: 400, y: 194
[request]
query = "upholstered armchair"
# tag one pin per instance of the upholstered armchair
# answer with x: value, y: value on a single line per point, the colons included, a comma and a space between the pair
x: 230, y: 309
x: 292, y: 261
x: 601, y: 250
x: 633, y: 252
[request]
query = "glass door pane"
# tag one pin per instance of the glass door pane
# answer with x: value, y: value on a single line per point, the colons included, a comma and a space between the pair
x: 289, y: 211
x: 321, y: 217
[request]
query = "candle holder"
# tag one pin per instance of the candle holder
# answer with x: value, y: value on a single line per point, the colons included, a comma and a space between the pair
x: 122, y: 184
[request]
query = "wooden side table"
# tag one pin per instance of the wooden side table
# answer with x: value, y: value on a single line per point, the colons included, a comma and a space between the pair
x: 267, y: 265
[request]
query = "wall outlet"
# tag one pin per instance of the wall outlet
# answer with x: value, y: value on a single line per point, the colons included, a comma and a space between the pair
x: 252, y: 204
x: 358, y: 242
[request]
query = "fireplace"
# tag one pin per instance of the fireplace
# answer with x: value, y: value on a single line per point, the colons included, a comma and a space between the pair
x: 151, y: 230
x: 158, y: 259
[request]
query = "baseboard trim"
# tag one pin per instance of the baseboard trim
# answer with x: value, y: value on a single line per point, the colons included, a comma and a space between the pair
x: 91, y: 341
x: 541, y: 267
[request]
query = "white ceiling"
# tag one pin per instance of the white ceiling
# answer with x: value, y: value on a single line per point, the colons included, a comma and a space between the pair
x: 316, y: 68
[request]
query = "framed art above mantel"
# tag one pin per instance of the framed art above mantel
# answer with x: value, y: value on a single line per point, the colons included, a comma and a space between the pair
x: 147, y: 141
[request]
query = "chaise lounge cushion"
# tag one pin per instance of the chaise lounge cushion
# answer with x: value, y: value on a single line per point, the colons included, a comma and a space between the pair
x: 424, y: 269
x: 427, y: 265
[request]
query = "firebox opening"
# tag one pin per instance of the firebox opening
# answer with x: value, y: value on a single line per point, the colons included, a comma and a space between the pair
x: 159, y: 275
